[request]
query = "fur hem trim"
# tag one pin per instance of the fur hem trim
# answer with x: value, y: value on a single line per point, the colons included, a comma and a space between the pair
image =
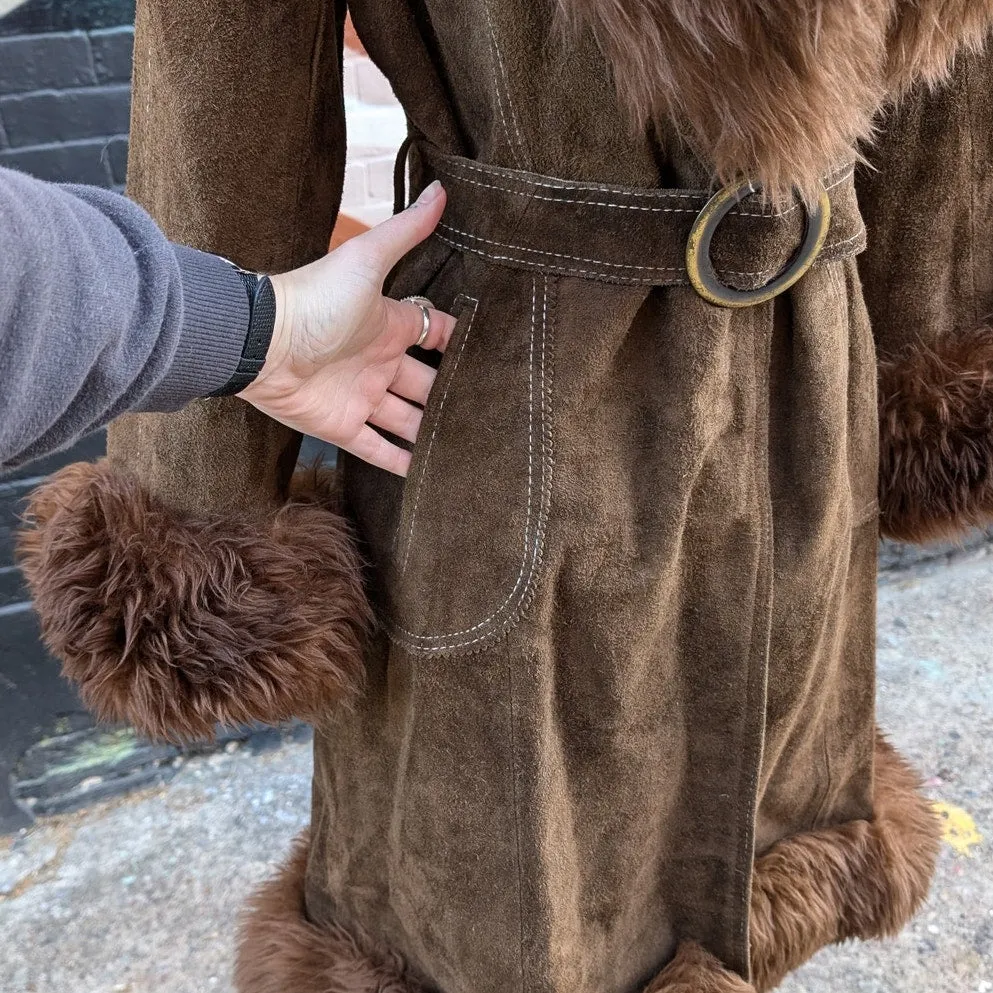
x: 175, y: 623
x: 936, y: 439
x: 280, y: 950
x: 862, y: 879
x: 695, y: 970
x: 782, y: 91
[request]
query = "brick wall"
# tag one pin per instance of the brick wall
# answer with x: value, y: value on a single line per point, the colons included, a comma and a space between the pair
x: 65, y: 100
x: 64, y: 104
x: 376, y: 128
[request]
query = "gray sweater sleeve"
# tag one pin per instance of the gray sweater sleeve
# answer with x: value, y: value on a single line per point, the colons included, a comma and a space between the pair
x: 101, y: 314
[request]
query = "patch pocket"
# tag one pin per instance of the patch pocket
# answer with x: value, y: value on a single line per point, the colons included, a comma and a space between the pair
x: 469, y: 533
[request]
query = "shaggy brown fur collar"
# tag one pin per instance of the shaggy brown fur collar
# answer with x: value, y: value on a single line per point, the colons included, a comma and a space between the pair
x: 778, y: 90
x: 175, y: 622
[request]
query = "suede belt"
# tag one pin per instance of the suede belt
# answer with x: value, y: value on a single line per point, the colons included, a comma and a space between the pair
x: 621, y: 234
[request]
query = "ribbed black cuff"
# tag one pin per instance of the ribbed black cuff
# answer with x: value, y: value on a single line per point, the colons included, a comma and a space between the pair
x: 215, y: 323
x: 261, y: 324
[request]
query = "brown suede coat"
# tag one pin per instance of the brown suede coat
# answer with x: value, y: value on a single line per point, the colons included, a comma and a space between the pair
x: 615, y: 727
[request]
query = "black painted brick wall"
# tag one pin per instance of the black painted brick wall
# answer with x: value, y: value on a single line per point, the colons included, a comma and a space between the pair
x: 65, y: 71
x: 65, y: 100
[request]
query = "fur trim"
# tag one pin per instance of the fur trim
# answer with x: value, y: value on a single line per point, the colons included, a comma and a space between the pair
x: 176, y: 623
x: 776, y: 90
x: 927, y: 36
x: 936, y: 439
x: 280, y: 951
x: 863, y: 879
x: 695, y: 970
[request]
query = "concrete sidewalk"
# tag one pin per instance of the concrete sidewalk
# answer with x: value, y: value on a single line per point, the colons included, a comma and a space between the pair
x: 141, y: 895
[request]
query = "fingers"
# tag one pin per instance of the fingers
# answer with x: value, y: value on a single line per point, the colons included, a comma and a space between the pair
x: 413, y: 380
x: 398, y: 417
x: 405, y: 320
x: 390, y: 241
x: 372, y: 447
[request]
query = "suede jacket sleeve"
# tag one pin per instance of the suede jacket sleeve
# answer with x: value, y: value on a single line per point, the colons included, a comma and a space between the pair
x: 179, y: 580
x: 927, y: 199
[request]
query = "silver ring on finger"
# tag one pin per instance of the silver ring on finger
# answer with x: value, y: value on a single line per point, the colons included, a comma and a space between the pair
x: 425, y: 304
x: 426, y: 314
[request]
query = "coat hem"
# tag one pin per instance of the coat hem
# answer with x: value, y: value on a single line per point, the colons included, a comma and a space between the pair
x: 861, y: 879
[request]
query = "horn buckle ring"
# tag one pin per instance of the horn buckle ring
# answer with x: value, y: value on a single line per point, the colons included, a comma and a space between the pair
x: 700, y: 266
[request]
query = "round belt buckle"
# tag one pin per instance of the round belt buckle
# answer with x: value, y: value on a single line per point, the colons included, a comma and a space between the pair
x: 700, y: 266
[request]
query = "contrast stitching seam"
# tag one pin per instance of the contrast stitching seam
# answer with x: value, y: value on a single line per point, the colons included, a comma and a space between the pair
x: 833, y: 246
x: 830, y: 247
x: 508, y: 663
x: 495, y: 44
x: 473, y: 167
x: 434, y: 432
x: 592, y: 188
x: 555, y: 255
x: 660, y: 195
x: 527, y: 522
x: 868, y: 513
x: 532, y: 550
x: 499, y: 97
x: 533, y: 264
x: 586, y: 203
x: 844, y: 177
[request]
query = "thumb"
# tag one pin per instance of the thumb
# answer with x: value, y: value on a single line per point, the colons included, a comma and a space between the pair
x: 390, y: 241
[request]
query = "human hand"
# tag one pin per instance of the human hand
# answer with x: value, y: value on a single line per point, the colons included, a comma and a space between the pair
x: 337, y: 363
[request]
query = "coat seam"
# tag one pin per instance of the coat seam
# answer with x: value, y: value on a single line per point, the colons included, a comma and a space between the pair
x: 829, y: 255
x: 500, y: 83
x: 316, y: 56
x: 763, y: 613
x: 517, y: 821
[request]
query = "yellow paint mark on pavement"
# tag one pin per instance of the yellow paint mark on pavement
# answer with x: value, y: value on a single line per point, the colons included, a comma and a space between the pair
x: 958, y: 828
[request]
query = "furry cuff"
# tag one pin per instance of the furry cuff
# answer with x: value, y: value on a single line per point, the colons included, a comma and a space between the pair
x: 175, y: 623
x: 780, y: 92
x: 936, y: 439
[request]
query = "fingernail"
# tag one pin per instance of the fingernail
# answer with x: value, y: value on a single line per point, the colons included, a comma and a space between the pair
x: 429, y: 195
